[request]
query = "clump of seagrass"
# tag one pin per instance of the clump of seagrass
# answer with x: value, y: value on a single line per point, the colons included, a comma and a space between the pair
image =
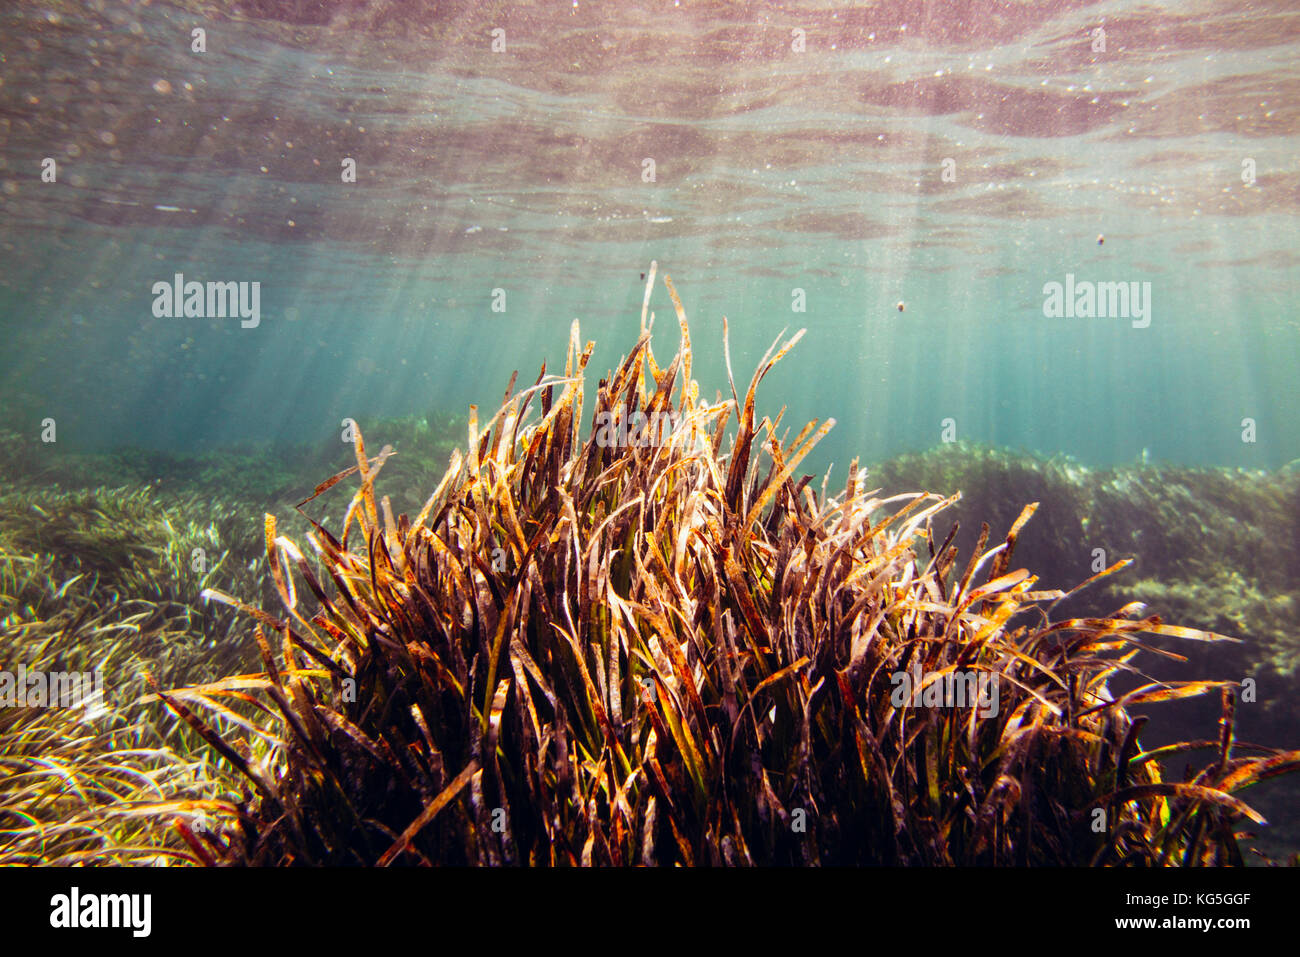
x: 585, y: 651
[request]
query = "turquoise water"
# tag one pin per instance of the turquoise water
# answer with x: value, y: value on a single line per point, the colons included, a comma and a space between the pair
x: 776, y: 171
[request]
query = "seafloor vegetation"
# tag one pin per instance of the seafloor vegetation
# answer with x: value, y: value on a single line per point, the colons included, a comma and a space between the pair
x: 580, y: 652
x: 1215, y: 549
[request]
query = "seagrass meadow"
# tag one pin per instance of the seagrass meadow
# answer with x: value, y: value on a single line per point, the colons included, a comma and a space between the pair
x: 590, y: 652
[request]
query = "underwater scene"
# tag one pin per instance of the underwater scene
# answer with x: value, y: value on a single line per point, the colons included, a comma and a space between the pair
x: 650, y: 433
